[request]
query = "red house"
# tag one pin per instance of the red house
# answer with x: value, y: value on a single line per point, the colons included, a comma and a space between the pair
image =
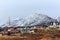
x: 11, y: 29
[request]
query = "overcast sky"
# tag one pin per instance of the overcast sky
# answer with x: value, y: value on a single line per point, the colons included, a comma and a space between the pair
x: 23, y: 8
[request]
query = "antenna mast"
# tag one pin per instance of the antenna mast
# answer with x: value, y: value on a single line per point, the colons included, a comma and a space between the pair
x: 9, y: 20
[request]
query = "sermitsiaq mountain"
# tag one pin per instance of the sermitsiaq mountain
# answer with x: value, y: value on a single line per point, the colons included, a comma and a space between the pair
x: 34, y: 19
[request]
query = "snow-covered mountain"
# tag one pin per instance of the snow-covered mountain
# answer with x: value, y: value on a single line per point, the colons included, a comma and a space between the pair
x: 31, y: 20
x: 35, y: 19
x: 13, y: 23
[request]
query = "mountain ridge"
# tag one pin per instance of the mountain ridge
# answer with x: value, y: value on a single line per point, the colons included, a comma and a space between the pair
x: 32, y: 20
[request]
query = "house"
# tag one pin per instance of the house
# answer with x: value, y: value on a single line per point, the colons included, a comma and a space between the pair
x: 36, y: 28
x: 54, y: 24
x: 3, y: 33
x: 20, y: 29
x: 10, y: 29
